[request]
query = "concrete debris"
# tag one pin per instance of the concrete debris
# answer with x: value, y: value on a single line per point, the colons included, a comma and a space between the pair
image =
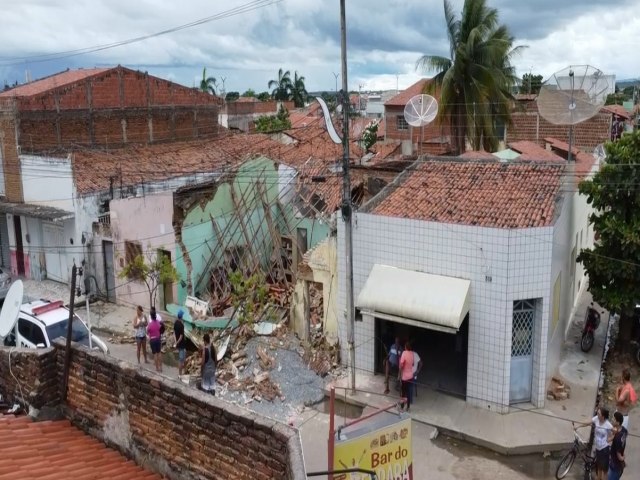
x: 558, y: 390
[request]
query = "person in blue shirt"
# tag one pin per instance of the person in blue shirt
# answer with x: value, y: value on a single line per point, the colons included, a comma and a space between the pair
x: 392, y: 362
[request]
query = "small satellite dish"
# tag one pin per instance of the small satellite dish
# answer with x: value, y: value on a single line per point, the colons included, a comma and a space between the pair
x: 421, y: 110
x: 599, y: 153
x: 11, y: 308
x: 572, y: 96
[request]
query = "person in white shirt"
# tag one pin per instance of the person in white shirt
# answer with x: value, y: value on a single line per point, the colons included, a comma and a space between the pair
x: 602, y: 431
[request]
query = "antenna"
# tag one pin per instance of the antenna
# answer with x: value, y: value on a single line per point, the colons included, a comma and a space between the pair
x: 572, y: 96
x: 421, y: 110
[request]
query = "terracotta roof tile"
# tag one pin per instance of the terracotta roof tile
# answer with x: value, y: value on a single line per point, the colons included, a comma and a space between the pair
x: 478, y: 155
x: 483, y: 193
x: 533, y: 151
x: 54, y: 81
x: 401, y: 99
x: 62, y: 452
x: 618, y: 110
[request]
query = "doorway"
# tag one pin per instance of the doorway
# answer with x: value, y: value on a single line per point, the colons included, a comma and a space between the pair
x: 167, y: 287
x: 17, y: 229
x: 109, y: 273
x: 524, y: 314
x: 444, y: 355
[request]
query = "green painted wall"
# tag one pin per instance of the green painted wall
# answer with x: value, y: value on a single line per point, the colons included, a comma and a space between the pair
x: 198, y: 235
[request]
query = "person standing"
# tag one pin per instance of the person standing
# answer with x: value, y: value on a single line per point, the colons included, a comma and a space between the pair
x: 406, y: 373
x: 618, y: 444
x: 208, y: 365
x: 392, y: 362
x: 140, y: 323
x: 417, y: 366
x: 155, y: 340
x: 179, y: 341
x: 602, y: 431
x: 626, y: 397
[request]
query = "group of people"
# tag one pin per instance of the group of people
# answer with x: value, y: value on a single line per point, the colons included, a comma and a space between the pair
x: 407, y: 363
x: 610, y: 435
x: 155, y: 328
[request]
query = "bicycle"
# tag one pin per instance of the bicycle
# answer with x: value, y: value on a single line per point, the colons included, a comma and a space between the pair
x: 582, y: 448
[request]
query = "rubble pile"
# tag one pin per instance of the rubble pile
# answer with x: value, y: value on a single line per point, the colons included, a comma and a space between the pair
x: 558, y: 390
x: 322, y: 357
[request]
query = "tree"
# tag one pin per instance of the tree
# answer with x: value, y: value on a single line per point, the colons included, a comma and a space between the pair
x: 208, y: 84
x: 613, y: 264
x: 249, y: 93
x: 152, y: 270
x: 264, y: 96
x: 617, y: 98
x: 281, y: 86
x: 249, y: 296
x: 298, y: 91
x: 475, y: 83
x: 370, y: 135
x: 274, y: 123
x: 232, y: 96
x: 531, y: 83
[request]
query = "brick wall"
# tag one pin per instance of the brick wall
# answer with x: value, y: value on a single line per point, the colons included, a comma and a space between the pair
x: 10, y: 161
x: 433, y: 130
x: 527, y: 124
x: 176, y: 430
x: 36, y: 372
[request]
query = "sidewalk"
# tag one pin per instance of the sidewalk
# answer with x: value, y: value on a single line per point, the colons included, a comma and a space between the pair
x: 525, y: 429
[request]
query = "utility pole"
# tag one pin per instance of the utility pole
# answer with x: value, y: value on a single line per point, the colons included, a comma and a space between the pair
x: 360, y: 87
x: 67, y: 352
x: 336, y: 75
x: 347, y: 208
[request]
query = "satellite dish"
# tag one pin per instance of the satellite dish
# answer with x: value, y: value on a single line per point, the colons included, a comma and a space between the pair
x: 421, y: 110
x: 329, y: 123
x: 572, y: 96
x: 600, y: 153
x: 11, y: 308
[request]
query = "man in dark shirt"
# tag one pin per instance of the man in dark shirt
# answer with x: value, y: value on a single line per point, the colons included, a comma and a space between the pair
x: 180, y: 344
x: 616, y: 459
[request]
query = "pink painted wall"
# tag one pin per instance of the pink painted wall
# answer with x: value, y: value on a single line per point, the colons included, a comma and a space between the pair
x: 149, y: 221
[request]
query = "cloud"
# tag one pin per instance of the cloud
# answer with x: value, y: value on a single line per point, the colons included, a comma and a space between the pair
x: 385, y: 38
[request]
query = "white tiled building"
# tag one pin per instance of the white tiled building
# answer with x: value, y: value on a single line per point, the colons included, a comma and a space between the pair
x: 472, y: 261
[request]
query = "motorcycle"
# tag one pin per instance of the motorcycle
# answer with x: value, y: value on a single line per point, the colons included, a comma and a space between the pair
x: 591, y: 324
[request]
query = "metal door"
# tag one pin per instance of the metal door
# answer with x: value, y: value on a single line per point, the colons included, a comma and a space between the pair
x: 5, y: 254
x: 109, y: 274
x: 522, y: 351
x: 54, y: 254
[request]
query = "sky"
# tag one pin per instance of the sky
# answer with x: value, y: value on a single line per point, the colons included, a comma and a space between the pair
x: 246, y: 45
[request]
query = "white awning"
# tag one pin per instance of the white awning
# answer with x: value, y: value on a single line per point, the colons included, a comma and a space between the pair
x: 415, y: 298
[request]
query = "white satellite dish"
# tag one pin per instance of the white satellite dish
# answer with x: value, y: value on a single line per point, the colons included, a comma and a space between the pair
x: 421, y: 110
x: 573, y: 95
x: 11, y: 308
x: 328, y: 122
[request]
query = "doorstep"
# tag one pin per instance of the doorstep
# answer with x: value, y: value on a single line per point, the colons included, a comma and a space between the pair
x: 524, y: 430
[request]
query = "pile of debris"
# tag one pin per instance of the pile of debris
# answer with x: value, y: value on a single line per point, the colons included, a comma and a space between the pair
x: 558, y: 390
x: 321, y: 356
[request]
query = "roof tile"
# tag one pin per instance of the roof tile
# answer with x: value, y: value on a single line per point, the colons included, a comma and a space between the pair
x: 401, y: 99
x: 58, y: 80
x: 63, y: 452
x: 482, y: 193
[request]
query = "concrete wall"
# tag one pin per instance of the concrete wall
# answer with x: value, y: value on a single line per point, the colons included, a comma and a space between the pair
x: 517, y: 262
x: 47, y: 181
x: 148, y: 221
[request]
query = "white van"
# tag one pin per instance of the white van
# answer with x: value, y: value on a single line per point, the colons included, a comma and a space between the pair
x: 40, y: 322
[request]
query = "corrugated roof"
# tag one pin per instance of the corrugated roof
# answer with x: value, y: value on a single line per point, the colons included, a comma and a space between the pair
x: 483, y: 193
x: 56, y: 450
x: 58, y: 80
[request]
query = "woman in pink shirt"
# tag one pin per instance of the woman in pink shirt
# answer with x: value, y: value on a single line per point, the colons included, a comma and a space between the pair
x: 406, y: 373
x: 155, y: 340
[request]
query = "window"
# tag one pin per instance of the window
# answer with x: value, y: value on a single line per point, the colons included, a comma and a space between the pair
x: 31, y: 332
x: 132, y: 250
x: 401, y: 123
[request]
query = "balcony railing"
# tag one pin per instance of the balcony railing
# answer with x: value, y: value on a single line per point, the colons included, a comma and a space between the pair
x: 105, y: 218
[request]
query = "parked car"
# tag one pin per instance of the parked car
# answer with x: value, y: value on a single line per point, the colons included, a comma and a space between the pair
x: 40, y: 322
x: 5, y: 283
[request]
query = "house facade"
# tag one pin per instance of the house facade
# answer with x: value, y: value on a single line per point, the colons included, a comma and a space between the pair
x: 473, y: 261
x: 45, y: 123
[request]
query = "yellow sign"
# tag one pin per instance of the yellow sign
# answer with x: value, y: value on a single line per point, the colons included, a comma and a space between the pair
x: 387, y: 451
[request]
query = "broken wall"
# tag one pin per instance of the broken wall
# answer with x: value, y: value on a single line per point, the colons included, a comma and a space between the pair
x: 321, y: 267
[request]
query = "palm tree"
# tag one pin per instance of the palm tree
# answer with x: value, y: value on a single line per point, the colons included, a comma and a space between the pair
x: 298, y: 91
x: 281, y: 86
x: 475, y: 82
x: 208, y: 84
